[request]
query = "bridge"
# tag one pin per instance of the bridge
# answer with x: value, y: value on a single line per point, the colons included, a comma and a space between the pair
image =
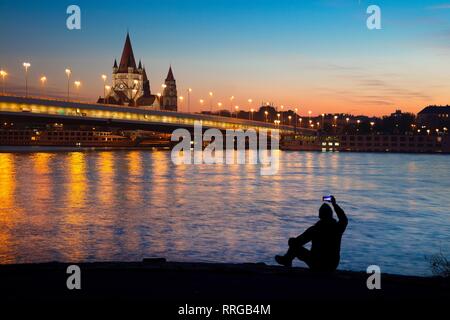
x: 40, y: 110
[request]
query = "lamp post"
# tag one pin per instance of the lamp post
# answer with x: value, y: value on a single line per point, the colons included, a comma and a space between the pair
x: 372, y: 124
x: 300, y: 120
x: 335, y: 123
x: 282, y: 113
x: 251, y: 112
x: 266, y: 113
x: 295, y: 120
x: 181, y: 101
x: 104, y: 77
x: 189, y: 99
x: 107, y: 88
x: 231, y: 105
x: 289, y: 118
x: 201, y: 103
x: 210, y: 101
x: 3, y: 73
x: 237, y: 110
x: 219, y: 106
x: 68, y: 73
x: 77, y: 86
x: 43, y: 81
x: 26, y: 65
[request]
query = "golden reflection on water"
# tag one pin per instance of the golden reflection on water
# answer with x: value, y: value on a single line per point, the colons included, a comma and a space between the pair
x: 77, y: 187
x: 7, y: 181
x: 9, y: 212
x: 105, y: 167
x: 133, y: 185
x: 74, y: 215
x: 41, y: 180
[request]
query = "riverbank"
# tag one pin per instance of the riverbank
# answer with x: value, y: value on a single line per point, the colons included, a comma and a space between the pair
x: 168, y: 282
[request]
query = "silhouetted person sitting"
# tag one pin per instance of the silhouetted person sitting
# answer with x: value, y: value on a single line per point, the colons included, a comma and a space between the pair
x: 325, y: 236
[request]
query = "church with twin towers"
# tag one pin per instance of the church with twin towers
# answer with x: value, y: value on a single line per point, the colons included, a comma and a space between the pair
x: 131, y: 86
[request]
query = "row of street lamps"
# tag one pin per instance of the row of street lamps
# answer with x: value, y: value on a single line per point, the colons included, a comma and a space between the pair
x: 43, y: 80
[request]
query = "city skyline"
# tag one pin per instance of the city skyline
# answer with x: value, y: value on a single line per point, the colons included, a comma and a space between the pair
x: 310, y: 62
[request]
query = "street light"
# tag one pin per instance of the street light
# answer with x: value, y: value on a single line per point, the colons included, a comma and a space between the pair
x: 189, y: 99
x: 210, y: 101
x: 251, y: 112
x: 219, y: 106
x: 43, y: 81
x: 104, y: 77
x: 181, y: 100
x: 289, y: 118
x: 77, y: 85
x: 237, y: 110
x: 231, y: 104
x: 300, y: 120
x: 3, y: 73
x: 295, y: 119
x: 108, y: 89
x: 26, y: 65
x: 201, y: 103
x: 266, y: 113
x: 68, y: 73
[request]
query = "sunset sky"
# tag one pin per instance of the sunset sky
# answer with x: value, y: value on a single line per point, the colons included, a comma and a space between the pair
x: 314, y: 55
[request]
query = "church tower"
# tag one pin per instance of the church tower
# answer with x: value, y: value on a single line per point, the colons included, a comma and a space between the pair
x: 170, y: 97
x: 128, y: 79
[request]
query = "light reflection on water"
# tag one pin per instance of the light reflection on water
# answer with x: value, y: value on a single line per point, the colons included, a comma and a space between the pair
x: 127, y: 205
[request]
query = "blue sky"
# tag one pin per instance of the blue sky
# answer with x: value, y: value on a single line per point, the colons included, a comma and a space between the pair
x: 316, y: 55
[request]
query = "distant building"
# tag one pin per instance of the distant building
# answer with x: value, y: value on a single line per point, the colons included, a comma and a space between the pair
x: 434, y: 116
x: 131, y: 86
x: 170, y: 97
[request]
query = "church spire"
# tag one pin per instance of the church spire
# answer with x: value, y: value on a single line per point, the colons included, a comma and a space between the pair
x: 127, y: 60
x: 170, y: 76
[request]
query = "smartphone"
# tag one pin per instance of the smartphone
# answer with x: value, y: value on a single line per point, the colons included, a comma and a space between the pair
x: 327, y: 198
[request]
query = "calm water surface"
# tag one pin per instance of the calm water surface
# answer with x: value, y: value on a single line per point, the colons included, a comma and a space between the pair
x: 127, y: 205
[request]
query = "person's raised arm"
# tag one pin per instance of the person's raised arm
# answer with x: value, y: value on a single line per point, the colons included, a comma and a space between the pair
x: 343, y: 220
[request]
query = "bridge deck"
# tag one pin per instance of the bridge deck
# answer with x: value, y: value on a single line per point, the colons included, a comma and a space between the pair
x: 78, y: 112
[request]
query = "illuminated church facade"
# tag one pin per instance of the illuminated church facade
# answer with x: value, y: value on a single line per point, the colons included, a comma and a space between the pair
x: 131, y: 86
